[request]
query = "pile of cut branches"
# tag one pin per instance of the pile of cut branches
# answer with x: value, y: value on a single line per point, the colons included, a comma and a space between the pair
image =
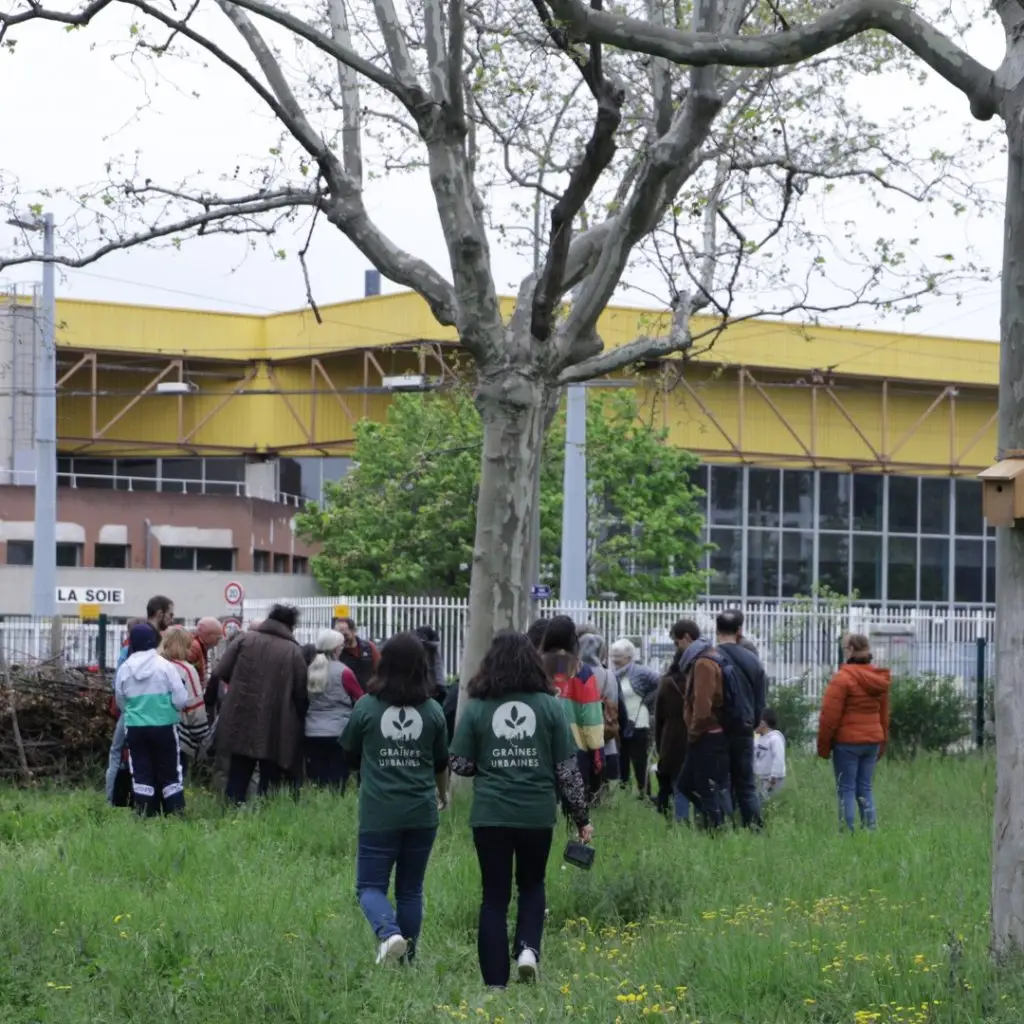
x: 55, y: 723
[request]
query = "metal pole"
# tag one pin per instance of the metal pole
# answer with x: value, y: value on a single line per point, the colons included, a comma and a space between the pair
x: 44, y: 576
x: 574, y: 499
x: 979, y: 721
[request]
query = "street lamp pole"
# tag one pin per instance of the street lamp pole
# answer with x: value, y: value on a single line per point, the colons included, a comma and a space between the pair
x: 44, y: 576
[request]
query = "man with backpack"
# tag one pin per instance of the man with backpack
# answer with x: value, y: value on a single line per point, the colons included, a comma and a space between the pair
x: 358, y: 654
x: 724, y: 701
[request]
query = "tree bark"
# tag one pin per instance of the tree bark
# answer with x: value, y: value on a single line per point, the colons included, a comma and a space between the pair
x: 512, y: 405
x: 1008, y: 838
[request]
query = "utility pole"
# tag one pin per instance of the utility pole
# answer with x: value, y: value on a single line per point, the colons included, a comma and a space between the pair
x: 573, y: 588
x: 44, y: 575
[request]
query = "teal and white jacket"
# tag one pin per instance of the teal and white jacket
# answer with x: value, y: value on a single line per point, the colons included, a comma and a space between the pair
x: 149, y: 691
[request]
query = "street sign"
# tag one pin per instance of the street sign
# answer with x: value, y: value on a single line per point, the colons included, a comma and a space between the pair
x: 540, y: 592
x: 233, y: 593
x: 90, y: 595
x: 232, y: 625
x: 88, y: 612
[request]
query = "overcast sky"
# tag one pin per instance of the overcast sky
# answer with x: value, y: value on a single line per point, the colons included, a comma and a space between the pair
x: 73, y: 108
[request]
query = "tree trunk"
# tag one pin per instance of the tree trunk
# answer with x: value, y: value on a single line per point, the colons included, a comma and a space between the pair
x: 1008, y: 838
x: 512, y: 407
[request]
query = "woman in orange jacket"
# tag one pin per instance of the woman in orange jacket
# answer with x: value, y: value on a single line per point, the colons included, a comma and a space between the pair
x: 853, y: 729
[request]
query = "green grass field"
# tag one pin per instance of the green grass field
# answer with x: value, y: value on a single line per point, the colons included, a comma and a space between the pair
x: 251, y: 917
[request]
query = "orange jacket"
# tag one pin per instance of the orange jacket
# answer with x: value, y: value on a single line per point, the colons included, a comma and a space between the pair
x: 855, y: 708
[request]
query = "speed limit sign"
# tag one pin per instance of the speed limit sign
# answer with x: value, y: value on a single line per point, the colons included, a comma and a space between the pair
x: 233, y: 593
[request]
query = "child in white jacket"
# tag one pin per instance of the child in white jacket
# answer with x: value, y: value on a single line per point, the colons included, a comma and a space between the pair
x: 151, y: 695
x: 769, y: 756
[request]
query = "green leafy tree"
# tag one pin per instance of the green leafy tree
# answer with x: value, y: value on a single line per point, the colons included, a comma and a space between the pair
x: 402, y: 521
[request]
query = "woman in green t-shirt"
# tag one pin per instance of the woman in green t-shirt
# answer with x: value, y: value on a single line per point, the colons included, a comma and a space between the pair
x: 514, y: 740
x: 398, y: 741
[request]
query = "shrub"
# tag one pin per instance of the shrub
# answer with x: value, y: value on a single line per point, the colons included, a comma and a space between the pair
x: 927, y: 712
x: 795, y: 710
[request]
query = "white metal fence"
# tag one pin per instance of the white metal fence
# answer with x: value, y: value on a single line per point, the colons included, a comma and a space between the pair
x: 798, y: 642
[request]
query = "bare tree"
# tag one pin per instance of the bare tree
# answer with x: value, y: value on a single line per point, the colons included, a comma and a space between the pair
x: 991, y: 92
x: 700, y: 172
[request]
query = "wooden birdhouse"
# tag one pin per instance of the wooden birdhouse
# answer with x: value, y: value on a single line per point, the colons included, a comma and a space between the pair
x: 1003, y: 492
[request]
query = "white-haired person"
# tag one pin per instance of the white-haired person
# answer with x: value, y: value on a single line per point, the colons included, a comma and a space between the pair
x: 638, y: 686
x: 333, y: 692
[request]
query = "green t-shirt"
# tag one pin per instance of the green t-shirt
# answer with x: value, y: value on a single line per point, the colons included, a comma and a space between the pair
x: 515, y: 742
x: 401, y: 749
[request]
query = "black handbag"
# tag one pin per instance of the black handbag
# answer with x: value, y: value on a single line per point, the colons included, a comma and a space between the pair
x: 580, y: 855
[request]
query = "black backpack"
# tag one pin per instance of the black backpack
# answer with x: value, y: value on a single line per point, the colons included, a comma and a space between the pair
x: 738, y: 712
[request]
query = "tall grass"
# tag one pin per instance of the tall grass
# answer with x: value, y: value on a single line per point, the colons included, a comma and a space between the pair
x: 242, y: 918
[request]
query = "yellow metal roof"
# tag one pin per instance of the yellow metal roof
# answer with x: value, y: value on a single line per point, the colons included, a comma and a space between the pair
x: 388, y: 320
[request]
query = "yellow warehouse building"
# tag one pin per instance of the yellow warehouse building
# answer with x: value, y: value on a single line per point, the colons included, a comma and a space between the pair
x: 833, y: 457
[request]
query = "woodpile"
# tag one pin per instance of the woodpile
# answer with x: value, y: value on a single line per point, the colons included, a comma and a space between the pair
x: 55, y: 723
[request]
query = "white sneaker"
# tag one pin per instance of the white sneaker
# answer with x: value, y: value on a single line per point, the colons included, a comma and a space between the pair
x: 392, y: 950
x: 529, y: 969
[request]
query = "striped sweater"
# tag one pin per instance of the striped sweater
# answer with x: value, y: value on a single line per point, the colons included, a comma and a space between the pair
x: 581, y: 699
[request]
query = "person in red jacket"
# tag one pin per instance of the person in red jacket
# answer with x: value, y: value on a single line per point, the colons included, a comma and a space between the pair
x: 853, y: 729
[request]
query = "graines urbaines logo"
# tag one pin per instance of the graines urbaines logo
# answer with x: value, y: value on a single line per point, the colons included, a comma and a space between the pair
x: 403, y: 725
x: 514, y: 721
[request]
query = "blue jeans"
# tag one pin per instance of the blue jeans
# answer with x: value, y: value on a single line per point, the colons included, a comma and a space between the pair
x: 407, y: 851
x: 114, y: 760
x: 854, y: 767
x: 682, y: 805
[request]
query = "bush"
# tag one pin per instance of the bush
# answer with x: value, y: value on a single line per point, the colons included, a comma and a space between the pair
x: 926, y: 713
x: 794, y: 709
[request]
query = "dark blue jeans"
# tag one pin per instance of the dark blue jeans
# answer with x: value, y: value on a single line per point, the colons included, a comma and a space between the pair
x: 407, y: 852
x: 854, y: 767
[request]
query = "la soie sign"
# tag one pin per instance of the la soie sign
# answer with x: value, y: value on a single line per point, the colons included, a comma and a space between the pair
x: 90, y: 595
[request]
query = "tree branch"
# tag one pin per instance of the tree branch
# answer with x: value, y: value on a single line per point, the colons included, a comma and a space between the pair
x: 221, y: 210
x: 598, y: 154
x: 700, y: 49
x: 348, y: 80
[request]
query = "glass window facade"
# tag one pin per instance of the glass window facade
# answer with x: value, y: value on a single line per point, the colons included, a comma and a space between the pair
x: 298, y: 480
x: 902, y: 539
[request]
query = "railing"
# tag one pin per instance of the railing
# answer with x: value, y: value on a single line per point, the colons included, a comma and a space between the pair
x: 798, y: 641
x: 151, y: 484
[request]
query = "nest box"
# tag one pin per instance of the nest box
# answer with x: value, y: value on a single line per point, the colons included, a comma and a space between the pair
x: 1003, y: 492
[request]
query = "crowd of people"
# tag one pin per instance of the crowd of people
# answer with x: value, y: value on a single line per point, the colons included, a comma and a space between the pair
x: 552, y: 719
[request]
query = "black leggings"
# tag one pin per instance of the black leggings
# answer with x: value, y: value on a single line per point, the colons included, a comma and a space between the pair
x: 496, y: 849
x: 326, y: 763
x: 634, y: 755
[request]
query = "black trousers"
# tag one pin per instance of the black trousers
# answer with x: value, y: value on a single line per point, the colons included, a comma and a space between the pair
x: 272, y: 777
x: 705, y: 777
x: 326, y: 763
x: 744, y: 784
x: 634, y: 756
x: 154, y: 760
x: 497, y: 850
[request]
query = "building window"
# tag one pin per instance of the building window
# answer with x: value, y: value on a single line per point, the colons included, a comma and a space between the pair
x: 726, y: 497
x: 968, y: 576
x: 867, y: 567
x: 261, y: 561
x: 797, y: 563
x: 197, y: 559
x: 935, y: 564
x: 867, y: 502
x: 19, y: 552
x: 798, y: 499
x: 834, y: 562
x: 69, y: 556
x: 902, y: 568
x: 763, y: 497
x: 112, y: 556
x: 834, y: 500
x: 903, y: 504
x: 990, y: 571
x: 969, y: 520
x: 763, y: 563
x: 934, y: 506
x: 280, y: 563
x: 726, y: 562
x: 136, y: 474
x: 300, y: 566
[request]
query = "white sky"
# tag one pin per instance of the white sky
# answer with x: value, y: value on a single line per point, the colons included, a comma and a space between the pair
x: 72, y: 109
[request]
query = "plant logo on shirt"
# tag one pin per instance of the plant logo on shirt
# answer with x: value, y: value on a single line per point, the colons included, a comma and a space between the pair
x: 402, y: 725
x: 514, y: 721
